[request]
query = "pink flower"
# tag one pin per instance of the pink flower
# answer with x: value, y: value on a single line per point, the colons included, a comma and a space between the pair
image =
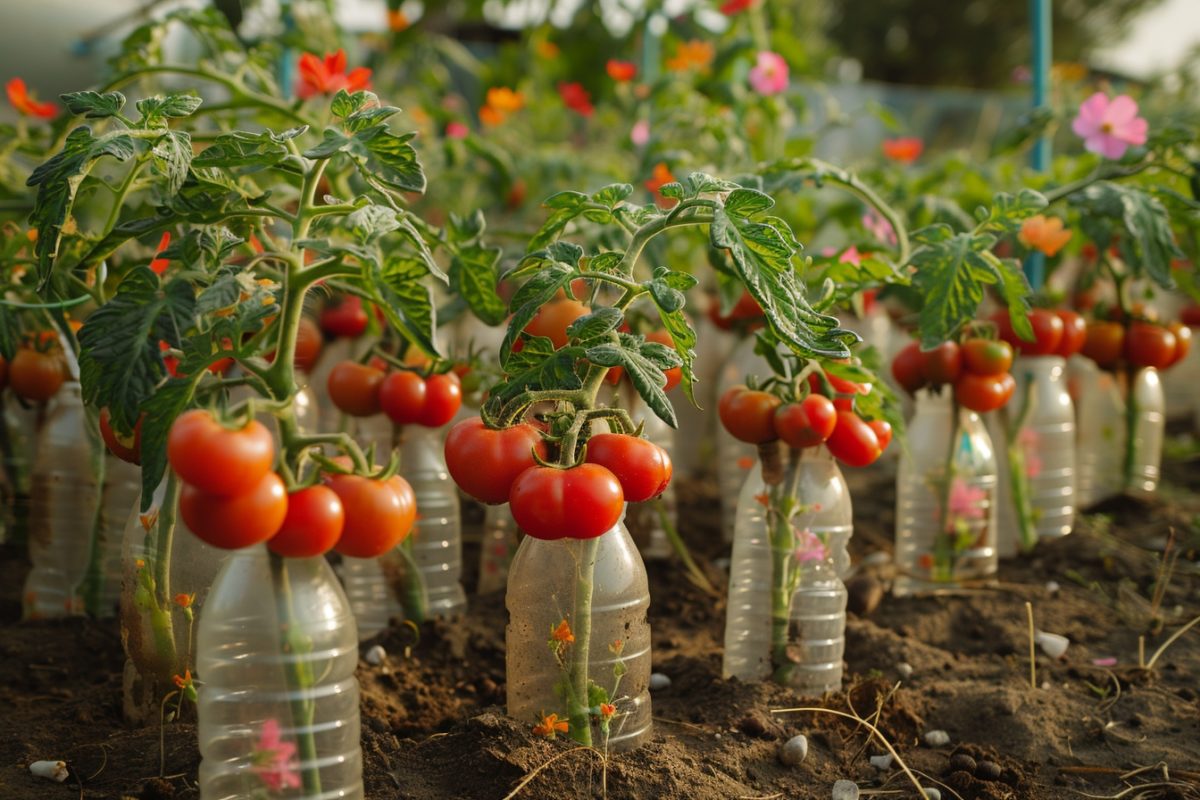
x: 769, y: 75
x: 851, y: 256
x: 966, y: 502
x: 274, y: 759
x: 1107, y: 127
x: 456, y: 130
x: 809, y: 547
x: 1030, y: 441
x: 879, y: 227
x: 640, y: 134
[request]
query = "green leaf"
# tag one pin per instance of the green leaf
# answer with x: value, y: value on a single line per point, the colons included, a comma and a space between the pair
x: 332, y: 142
x: 612, y: 194
x: 646, y: 376
x: 539, y: 366
x: 173, y: 158
x: 747, y: 202
x: 94, y: 105
x: 403, y: 293
x: 394, y: 161
x: 532, y: 295
x: 1147, y: 242
x: 667, y: 288
x: 161, y: 409
x: 371, y: 223
x: 175, y: 105
x: 345, y: 104
x: 240, y: 149
x: 474, y: 277
x: 566, y: 201
x: 599, y: 323
x: 203, y: 249
x: 684, y: 338
x: 699, y: 183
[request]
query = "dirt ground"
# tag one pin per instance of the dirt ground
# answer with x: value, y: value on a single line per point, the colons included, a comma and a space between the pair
x: 434, y: 724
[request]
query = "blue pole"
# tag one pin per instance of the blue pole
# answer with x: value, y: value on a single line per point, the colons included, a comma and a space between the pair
x: 1039, y: 13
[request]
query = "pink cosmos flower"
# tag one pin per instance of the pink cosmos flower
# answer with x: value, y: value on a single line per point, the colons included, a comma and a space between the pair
x: 769, y: 75
x: 456, y: 130
x: 879, y: 227
x: 966, y: 502
x: 640, y: 134
x: 809, y: 547
x: 1109, y: 127
x: 274, y: 760
x: 851, y: 256
x: 1030, y: 442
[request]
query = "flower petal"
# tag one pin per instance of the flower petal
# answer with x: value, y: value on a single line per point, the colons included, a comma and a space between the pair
x: 1121, y: 110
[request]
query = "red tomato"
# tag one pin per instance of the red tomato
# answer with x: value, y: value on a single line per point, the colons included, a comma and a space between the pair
x: 308, y: 344
x: 238, y: 520
x: 1074, y: 333
x: 582, y: 502
x: 807, y: 423
x: 746, y: 309
x: 883, y: 432
x: 1105, y: 342
x: 907, y: 368
x: 313, y: 524
x: 485, y: 461
x: 170, y: 362
x: 126, y: 448
x: 354, y: 388
x: 843, y: 388
x: 552, y: 320
x: 1183, y: 341
x: 987, y: 356
x: 3, y: 373
x: 219, y: 460
x: 36, y: 376
x: 378, y: 514
x: 1047, y: 332
x: 674, y: 374
x: 749, y: 415
x: 443, y: 398
x: 643, y: 468
x: 983, y: 393
x: 402, y: 396
x: 853, y: 441
x: 943, y: 364
x: 1149, y: 345
x: 1190, y: 315
x: 344, y: 317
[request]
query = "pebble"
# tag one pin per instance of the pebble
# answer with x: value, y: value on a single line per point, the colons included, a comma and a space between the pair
x: 51, y: 770
x: 376, y: 655
x: 658, y: 682
x: 987, y: 771
x: 937, y: 738
x: 962, y: 762
x: 1052, y: 587
x: 1052, y: 644
x: 905, y: 669
x: 794, y: 750
x: 931, y: 793
x: 864, y: 593
x: 883, y: 762
x: 845, y: 790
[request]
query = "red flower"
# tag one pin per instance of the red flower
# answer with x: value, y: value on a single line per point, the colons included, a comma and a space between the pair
x: 159, y: 265
x: 621, y: 71
x: 327, y: 76
x: 23, y: 102
x: 731, y: 7
x: 576, y: 98
x: 662, y: 176
x: 906, y: 149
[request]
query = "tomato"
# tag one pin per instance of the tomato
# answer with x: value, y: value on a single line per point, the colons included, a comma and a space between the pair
x: 943, y: 364
x: 126, y: 448
x: 378, y: 514
x: 237, y: 520
x: 1105, y: 342
x: 308, y: 344
x: 987, y: 356
x: 853, y: 441
x: 1047, y: 332
x: 3, y: 373
x: 1183, y: 341
x: 983, y: 393
x: 674, y: 374
x: 643, y: 468
x: 354, y: 388
x: 485, y: 461
x: 746, y: 309
x: 443, y: 398
x: 344, y: 317
x: 883, y: 432
x: 552, y: 320
x: 1074, y: 333
x: 807, y: 423
x: 907, y: 368
x: 1190, y: 315
x: 1149, y: 345
x: 402, y: 396
x: 313, y: 525
x: 218, y: 460
x: 36, y: 376
x: 582, y: 502
x: 842, y: 387
x: 749, y: 415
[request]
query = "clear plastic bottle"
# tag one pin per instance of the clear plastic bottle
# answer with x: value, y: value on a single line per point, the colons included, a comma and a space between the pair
x: 735, y: 459
x: 545, y: 584
x: 936, y: 550
x: 499, y: 544
x: 1180, y: 382
x: 122, y: 489
x: 799, y: 570
x: 1099, y: 431
x: 1148, y: 426
x: 278, y: 705
x: 645, y: 520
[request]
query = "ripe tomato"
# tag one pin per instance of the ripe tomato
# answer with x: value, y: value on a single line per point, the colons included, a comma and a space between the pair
x: 216, y: 459
x: 3, y: 373
x: 853, y: 441
x: 582, y: 502
x: 883, y: 432
x: 943, y: 364
x: 983, y: 393
x: 987, y: 356
x: 402, y: 396
x: 746, y: 309
x: 354, y: 388
x: 485, y: 461
x: 807, y: 423
x: 308, y: 344
x: 749, y: 415
x: 1047, y: 332
x: 643, y: 468
x: 126, y: 448
x: 552, y: 320
x: 1105, y: 342
x: 36, y: 376
x: 314, y: 522
x: 344, y: 317
x: 907, y: 368
x: 237, y: 520
x: 1190, y: 315
x: 443, y: 398
x: 1149, y: 345
x: 674, y: 374
x: 1183, y: 341
x: 378, y: 514
x: 843, y: 389
x: 1074, y: 333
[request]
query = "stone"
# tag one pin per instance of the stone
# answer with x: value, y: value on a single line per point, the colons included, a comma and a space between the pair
x: 845, y: 790
x: 938, y: 738
x: 794, y: 750
x: 658, y: 682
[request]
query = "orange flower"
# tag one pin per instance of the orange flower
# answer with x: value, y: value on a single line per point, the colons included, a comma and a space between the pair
x: 184, y: 600
x: 617, y: 647
x: 562, y: 633
x: 695, y: 54
x: 326, y: 76
x: 763, y: 498
x: 185, y: 680
x: 547, y: 49
x: 549, y: 726
x: 22, y: 101
x: 905, y: 149
x: 745, y: 462
x: 621, y: 71
x: 662, y: 176
x: 1043, y: 233
x: 159, y: 265
x: 501, y: 101
x: 397, y: 21
x: 607, y: 710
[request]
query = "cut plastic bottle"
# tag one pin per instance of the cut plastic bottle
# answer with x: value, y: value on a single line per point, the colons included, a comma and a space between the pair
x: 497, y: 548
x: 1099, y: 431
x: 1146, y: 419
x: 735, y: 459
x: 645, y: 520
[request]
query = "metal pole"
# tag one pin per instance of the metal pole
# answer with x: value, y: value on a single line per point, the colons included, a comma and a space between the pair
x: 1039, y: 13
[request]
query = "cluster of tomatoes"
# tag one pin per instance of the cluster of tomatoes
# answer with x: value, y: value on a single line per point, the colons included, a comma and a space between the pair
x: 36, y: 373
x: 1143, y: 343
x: 406, y: 396
x: 978, y: 369
x: 231, y: 498
x: 824, y: 415
x: 508, y: 465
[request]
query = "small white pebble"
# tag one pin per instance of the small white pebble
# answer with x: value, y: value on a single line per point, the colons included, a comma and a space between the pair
x: 51, y: 770
x: 375, y: 655
x: 905, y: 669
x: 932, y: 793
x: 716, y: 736
x: 1052, y: 644
x: 1052, y: 587
x: 794, y: 750
x: 658, y: 681
x: 883, y: 762
x: 845, y: 790
x: 937, y: 738
x: 879, y: 558
x: 1045, y: 684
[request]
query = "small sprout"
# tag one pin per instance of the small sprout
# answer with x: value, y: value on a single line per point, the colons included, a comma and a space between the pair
x: 375, y: 656
x: 882, y: 763
x: 905, y: 669
x: 1052, y: 644
x: 51, y: 770
x: 658, y: 682
x: 937, y: 738
x: 794, y: 750
x: 846, y: 790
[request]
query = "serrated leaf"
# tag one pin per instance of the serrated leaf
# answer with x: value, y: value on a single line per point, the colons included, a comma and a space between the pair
x: 240, y: 149
x: 565, y: 252
x: 332, y: 142
x: 702, y: 183
x: 474, y: 277
x: 403, y: 293
x: 566, y: 201
x: 395, y: 161
x: 647, y: 377
x: 529, y: 297
x: 173, y: 158
x: 466, y: 228
x: 747, y: 202
x: 344, y: 103
x: 608, y: 261
x: 1147, y: 241
x: 161, y: 409
x: 175, y: 105
x: 596, y: 324
x: 612, y: 194
x: 371, y: 223
x: 683, y: 336
x: 94, y: 105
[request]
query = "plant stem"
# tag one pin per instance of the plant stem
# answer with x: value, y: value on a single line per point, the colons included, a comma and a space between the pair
x: 695, y: 574
x: 943, y: 555
x: 1018, y: 477
x: 578, y: 713
x: 159, y: 545
x: 92, y: 586
x: 415, y: 601
x: 781, y: 507
x: 298, y: 670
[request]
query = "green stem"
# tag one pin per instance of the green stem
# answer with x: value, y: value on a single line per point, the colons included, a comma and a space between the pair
x: 1128, y: 463
x: 1018, y: 477
x: 92, y: 586
x: 1102, y: 173
x: 781, y: 506
x: 943, y: 569
x: 695, y: 574
x: 579, y: 715
x: 415, y: 600
x: 297, y: 648
x: 158, y: 549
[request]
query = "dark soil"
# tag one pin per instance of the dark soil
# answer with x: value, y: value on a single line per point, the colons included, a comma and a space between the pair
x: 434, y: 727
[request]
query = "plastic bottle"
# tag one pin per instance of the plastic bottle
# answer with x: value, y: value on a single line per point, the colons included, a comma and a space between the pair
x: 814, y: 557
x: 1099, y: 431
x: 122, y: 489
x: 1180, y: 382
x: 936, y: 550
x: 278, y: 704
x: 544, y: 584
x: 645, y: 520
x: 1148, y: 428
x: 735, y: 459
x: 498, y: 545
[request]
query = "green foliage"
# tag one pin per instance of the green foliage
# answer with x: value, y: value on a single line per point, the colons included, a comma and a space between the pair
x: 1136, y: 222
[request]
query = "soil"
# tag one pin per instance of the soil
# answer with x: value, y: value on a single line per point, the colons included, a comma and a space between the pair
x: 434, y: 724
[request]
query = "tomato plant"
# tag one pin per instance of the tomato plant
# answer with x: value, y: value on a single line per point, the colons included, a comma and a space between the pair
x: 1074, y: 333
x: 853, y: 441
x: 345, y: 316
x: 908, y: 368
x: 983, y: 393
x: 1105, y: 342
x: 355, y: 388
x: 378, y: 514
x: 749, y: 415
x: 36, y: 376
x: 943, y: 364
x: 987, y: 356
